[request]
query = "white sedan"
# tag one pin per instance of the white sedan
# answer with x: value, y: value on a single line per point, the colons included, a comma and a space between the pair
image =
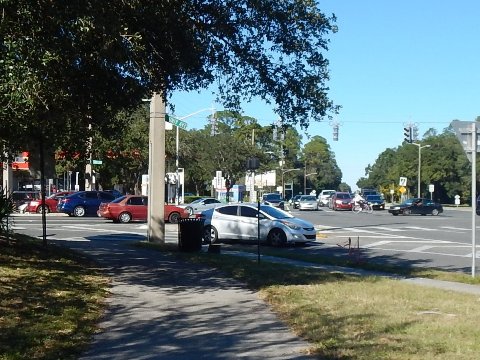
x: 307, y: 202
x: 200, y: 205
x: 240, y: 222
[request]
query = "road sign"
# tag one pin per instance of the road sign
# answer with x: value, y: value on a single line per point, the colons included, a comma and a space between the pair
x: 402, y: 189
x: 403, y: 181
x: 177, y: 122
x: 465, y: 131
x: 97, y: 162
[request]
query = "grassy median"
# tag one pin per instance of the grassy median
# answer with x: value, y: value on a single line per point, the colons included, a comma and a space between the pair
x: 50, y: 300
x: 350, y: 317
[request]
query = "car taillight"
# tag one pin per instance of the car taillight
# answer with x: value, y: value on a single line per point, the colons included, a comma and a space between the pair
x: 199, y: 216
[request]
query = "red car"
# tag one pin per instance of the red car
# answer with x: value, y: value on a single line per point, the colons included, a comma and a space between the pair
x: 50, y: 202
x: 341, y: 201
x: 135, y: 208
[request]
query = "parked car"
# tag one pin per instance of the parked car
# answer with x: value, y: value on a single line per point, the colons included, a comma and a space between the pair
x: 83, y: 203
x: 416, y: 206
x: 367, y: 192
x: 240, y: 222
x: 341, y: 201
x: 377, y: 202
x: 50, y: 203
x: 294, y: 201
x: 21, y: 199
x: 308, y: 202
x: 200, y: 205
x: 135, y: 208
x: 273, y: 199
x: 324, y: 197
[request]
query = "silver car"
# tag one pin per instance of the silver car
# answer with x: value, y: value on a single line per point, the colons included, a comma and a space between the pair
x: 307, y: 202
x: 240, y: 222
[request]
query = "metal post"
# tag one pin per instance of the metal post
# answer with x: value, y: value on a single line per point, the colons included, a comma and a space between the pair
x: 474, y: 192
x: 419, y: 169
x: 156, y: 171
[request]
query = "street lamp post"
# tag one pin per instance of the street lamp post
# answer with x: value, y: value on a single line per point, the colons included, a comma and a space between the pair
x: 305, y: 175
x: 419, y: 165
x: 177, y: 142
x: 283, y: 179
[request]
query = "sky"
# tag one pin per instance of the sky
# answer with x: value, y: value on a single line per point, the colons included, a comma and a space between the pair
x: 391, y: 63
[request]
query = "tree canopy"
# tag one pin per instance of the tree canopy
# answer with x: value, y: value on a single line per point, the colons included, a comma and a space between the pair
x: 67, y: 64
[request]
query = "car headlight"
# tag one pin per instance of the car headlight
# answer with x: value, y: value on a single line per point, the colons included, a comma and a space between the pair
x: 395, y: 208
x: 291, y: 225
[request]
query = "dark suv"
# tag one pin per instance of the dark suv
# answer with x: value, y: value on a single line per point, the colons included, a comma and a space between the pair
x: 273, y: 199
x: 83, y: 203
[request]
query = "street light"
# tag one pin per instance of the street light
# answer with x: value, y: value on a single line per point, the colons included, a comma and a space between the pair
x: 283, y: 180
x: 305, y: 175
x: 419, y: 164
x: 177, y: 140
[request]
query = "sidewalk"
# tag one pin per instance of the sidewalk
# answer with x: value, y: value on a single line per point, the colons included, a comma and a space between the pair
x: 161, y: 308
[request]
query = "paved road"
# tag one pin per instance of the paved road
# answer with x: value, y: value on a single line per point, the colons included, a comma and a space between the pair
x: 443, y: 241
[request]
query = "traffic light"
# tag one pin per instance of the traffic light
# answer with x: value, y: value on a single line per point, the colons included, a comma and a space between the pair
x: 335, y: 133
x: 407, y: 132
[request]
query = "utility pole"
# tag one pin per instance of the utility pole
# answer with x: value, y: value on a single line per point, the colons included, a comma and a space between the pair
x: 156, y: 171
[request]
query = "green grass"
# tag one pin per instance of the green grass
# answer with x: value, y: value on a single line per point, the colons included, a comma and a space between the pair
x: 50, y: 300
x: 429, y: 273
x: 358, y: 318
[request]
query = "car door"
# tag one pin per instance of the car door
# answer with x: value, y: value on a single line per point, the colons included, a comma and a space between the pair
x: 428, y: 206
x: 136, y: 207
x: 225, y: 220
x: 89, y: 200
x: 248, y: 223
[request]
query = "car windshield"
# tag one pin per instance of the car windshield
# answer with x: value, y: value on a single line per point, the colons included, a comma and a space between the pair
x: 409, y: 201
x: 275, y: 212
x: 272, y: 197
x: 374, y: 197
x: 308, y: 198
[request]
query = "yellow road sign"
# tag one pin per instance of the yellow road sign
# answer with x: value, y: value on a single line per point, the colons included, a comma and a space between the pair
x: 402, y: 189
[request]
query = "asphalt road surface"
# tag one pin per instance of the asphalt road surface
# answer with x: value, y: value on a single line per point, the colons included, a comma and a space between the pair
x: 443, y: 241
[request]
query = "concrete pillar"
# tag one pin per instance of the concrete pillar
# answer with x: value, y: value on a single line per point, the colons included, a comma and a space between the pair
x: 156, y: 171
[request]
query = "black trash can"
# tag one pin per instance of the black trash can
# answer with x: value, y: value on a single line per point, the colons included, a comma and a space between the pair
x: 190, y: 234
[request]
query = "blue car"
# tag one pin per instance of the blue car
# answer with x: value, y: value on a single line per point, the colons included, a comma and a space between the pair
x: 83, y: 203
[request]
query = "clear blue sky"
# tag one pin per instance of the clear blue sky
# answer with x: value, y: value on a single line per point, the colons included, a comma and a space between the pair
x: 391, y: 63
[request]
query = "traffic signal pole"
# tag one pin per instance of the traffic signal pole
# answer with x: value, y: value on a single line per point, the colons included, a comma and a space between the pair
x: 156, y: 171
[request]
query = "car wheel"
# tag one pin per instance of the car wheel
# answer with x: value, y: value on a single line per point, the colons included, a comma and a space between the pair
x: 79, y: 211
x: 435, y: 212
x: 189, y: 210
x: 210, y: 235
x: 173, y: 217
x: 407, y: 212
x: 394, y: 214
x: 39, y: 209
x: 124, y: 217
x: 277, y: 237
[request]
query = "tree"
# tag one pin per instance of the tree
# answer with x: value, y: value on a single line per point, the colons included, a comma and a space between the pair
x: 65, y: 65
x: 318, y: 157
